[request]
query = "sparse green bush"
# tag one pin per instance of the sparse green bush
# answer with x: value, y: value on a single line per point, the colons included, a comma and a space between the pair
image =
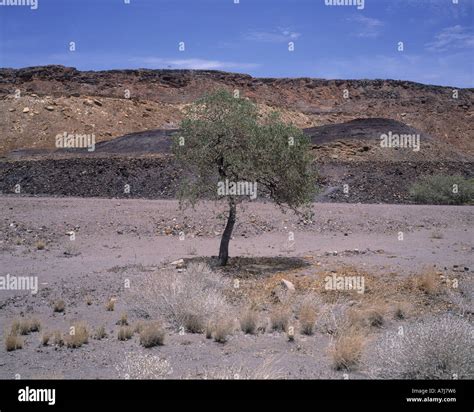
x: 437, y: 348
x: 440, y: 190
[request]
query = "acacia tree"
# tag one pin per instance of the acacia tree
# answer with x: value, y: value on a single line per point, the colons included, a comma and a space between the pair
x: 223, y: 139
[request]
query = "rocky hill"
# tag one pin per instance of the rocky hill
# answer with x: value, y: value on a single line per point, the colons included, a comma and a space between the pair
x: 54, y: 99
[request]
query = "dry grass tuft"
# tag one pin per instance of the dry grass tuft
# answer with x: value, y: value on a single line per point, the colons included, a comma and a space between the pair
x: 152, y: 334
x: 401, y: 310
x: 249, y: 321
x: 58, y: 338
x: 428, y: 282
x: 24, y: 326
x: 123, y: 320
x: 347, y: 349
x: 110, y: 305
x: 45, y: 338
x: 279, y: 318
x: 40, y: 245
x: 78, y: 335
x: 100, y: 333
x: 208, y: 329
x: 307, y: 318
x: 366, y: 317
x: 223, y: 328
x: 125, y: 333
x: 13, y: 342
x: 59, y: 306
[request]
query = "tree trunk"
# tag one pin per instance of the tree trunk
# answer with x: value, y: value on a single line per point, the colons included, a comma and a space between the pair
x: 224, y: 248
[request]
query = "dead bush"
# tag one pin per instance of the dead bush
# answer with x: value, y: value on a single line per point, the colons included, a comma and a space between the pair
x: 437, y: 348
x: 186, y: 299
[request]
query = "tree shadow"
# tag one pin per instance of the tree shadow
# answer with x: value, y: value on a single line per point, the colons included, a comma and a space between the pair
x: 251, y: 267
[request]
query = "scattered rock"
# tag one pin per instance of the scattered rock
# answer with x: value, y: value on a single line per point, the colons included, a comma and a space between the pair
x: 287, y: 284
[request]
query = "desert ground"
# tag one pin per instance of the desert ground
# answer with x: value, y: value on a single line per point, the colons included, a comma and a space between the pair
x: 102, y: 263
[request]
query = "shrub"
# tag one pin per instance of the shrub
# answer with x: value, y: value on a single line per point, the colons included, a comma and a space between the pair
x: 152, y: 335
x: 279, y: 318
x: 437, y: 348
x: 186, y: 299
x: 307, y: 318
x: 347, y: 349
x: 125, y: 333
x: 438, y: 190
x: 249, y: 322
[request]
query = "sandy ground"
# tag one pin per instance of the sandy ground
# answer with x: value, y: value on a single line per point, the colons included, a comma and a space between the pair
x: 124, y: 239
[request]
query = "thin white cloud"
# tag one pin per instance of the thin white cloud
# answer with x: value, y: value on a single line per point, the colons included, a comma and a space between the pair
x: 450, y: 38
x: 194, y: 63
x: 281, y: 35
x: 366, y: 27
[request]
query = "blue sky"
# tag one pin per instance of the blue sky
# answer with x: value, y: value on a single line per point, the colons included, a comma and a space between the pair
x: 250, y: 37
